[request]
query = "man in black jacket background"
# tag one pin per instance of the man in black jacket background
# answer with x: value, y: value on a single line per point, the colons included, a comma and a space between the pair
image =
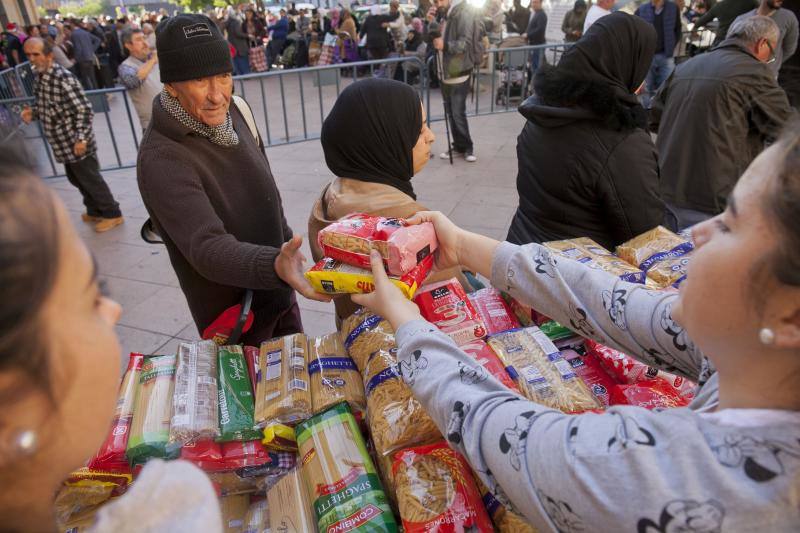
x: 714, y: 115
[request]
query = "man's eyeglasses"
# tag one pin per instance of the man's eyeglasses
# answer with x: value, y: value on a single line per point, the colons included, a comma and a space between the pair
x: 772, y: 56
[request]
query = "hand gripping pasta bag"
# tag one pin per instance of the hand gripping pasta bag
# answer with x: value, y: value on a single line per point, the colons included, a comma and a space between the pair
x: 585, y: 250
x: 661, y: 254
x: 330, y: 276
x: 152, y: 411
x: 334, y: 376
x: 194, y: 402
x: 235, y: 397
x: 282, y: 394
x: 436, y: 492
x: 402, y: 247
x: 339, y: 475
x: 111, y: 456
x: 445, y: 305
x: 542, y: 374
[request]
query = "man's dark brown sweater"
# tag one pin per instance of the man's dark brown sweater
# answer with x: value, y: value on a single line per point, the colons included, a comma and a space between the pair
x: 220, y: 215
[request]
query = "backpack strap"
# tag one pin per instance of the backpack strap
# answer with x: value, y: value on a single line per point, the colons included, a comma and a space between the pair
x: 247, y: 114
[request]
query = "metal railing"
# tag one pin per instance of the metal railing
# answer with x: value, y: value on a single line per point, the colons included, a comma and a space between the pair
x: 289, y: 105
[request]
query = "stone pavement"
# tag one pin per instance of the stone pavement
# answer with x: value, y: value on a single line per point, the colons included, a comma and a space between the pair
x: 480, y: 196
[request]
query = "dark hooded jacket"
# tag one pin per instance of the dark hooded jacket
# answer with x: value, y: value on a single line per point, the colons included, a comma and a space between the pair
x: 586, y: 164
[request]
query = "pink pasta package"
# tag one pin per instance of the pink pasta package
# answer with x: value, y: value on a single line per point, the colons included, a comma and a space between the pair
x: 402, y: 247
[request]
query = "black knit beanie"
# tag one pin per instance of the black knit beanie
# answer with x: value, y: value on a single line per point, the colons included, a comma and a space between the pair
x: 191, y: 46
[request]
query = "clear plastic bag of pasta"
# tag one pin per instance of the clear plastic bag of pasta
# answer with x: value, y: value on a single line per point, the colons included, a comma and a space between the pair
x: 542, y: 374
x: 436, y: 492
x: 363, y: 333
x: 282, y: 393
x: 396, y: 418
x: 334, y: 376
x: 661, y: 254
x: 152, y: 411
x: 195, y: 399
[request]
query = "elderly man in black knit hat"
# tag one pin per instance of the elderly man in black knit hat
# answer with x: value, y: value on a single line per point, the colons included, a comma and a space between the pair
x: 207, y: 185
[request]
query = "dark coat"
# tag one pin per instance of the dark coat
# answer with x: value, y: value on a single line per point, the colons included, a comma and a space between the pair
x: 579, y: 177
x: 713, y: 115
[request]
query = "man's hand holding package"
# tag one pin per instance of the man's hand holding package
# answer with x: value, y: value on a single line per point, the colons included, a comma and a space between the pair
x: 290, y: 266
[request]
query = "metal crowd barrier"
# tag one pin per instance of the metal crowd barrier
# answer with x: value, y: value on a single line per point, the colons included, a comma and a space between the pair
x: 289, y: 105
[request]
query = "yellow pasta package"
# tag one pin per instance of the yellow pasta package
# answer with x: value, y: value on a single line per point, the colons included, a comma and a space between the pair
x: 282, y: 393
x: 396, y: 418
x: 661, y: 254
x: 329, y: 276
x: 363, y: 333
x: 543, y: 376
x: 334, y: 376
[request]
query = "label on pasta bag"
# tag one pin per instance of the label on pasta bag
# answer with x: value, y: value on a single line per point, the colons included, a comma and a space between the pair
x: 235, y: 397
x: 339, y: 474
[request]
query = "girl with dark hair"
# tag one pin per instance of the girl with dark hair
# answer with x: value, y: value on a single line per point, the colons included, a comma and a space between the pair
x: 730, y: 461
x: 587, y: 165
x: 59, y: 374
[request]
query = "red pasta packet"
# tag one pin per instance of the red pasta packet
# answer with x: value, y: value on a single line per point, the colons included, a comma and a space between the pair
x: 591, y: 371
x: 486, y: 357
x: 650, y: 394
x: 526, y: 315
x: 425, y: 472
x: 111, y: 456
x: 402, y: 247
x: 251, y: 355
x: 497, y: 316
x: 445, y: 305
x: 212, y: 456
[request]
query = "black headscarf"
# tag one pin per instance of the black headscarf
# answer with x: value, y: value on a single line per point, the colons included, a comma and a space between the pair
x: 371, y: 131
x: 610, y: 61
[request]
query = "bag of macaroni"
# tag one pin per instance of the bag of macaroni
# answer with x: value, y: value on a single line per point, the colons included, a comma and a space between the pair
x: 436, y: 492
x: 402, y: 247
x: 339, y: 475
x: 445, y: 305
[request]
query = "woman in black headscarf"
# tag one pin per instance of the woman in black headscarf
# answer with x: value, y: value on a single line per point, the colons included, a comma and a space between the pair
x: 587, y: 165
x: 375, y: 140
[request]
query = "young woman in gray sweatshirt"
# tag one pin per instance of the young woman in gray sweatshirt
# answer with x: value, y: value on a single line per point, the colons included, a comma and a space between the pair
x: 728, y: 462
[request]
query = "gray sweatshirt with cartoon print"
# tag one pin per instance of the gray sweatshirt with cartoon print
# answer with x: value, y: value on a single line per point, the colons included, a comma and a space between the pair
x: 692, y: 470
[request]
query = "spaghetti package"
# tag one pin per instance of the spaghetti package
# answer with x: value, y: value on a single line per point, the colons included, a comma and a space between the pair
x: 436, y: 492
x: 194, y: 402
x: 396, y: 418
x: 445, y: 305
x: 330, y: 276
x: 402, y: 247
x: 282, y: 394
x: 585, y: 250
x: 290, y: 510
x: 591, y: 371
x: 152, y: 410
x: 111, y: 456
x: 334, y: 376
x: 251, y: 357
x: 485, y: 356
x: 339, y: 475
x: 661, y: 254
x: 234, y: 510
x: 235, y: 397
x: 540, y: 371
x: 363, y: 333
x: 495, y: 313
x: 257, y: 518
x: 555, y: 331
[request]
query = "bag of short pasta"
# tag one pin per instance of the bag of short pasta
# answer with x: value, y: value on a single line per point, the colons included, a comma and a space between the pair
x: 661, y: 254
x: 288, y: 502
x: 363, y: 333
x: 153, y: 410
x: 339, y: 475
x: 111, y: 456
x: 334, y: 376
x: 402, y: 247
x: 282, y: 394
x: 194, y: 402
x: 436, y: 492
x: 505, y: 520
x: 235, y: 397
x: 585, y: 250
x: 542, y: 374
x: 396, y: 418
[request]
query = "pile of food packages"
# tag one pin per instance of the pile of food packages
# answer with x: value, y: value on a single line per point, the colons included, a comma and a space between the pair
x: 322, y: 434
